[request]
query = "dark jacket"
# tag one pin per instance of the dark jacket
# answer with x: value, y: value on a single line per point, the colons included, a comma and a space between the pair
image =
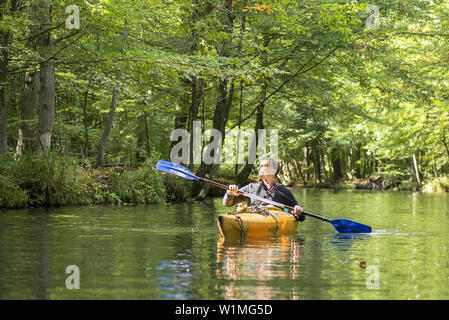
x: 280, y: 194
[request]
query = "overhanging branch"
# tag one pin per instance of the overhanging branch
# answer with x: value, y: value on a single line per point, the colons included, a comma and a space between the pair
x: 300, y: 71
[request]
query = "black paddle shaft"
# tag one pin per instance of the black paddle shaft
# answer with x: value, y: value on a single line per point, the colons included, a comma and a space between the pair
x: 263, y: 199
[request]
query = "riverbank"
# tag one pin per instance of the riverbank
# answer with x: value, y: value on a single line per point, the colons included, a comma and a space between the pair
x: 53, y: 182
x: 383, y: 183
x: 372, y: 183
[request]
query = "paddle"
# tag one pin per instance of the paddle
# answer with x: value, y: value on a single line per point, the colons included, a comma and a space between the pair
x: 341, y: 225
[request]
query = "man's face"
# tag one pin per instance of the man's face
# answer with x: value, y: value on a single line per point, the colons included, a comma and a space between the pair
x: 265, y: 169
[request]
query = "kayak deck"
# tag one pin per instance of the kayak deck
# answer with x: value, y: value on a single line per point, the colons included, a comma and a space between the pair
x: 248, y: 222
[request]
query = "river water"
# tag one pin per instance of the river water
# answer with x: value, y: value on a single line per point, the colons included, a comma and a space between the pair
x: 175, y: 252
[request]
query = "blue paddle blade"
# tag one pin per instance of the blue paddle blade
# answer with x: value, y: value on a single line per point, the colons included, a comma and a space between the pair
x: 175, y: 169
x: 348, y: 226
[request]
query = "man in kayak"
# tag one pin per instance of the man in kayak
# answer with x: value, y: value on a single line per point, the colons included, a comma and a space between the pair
x: 267, y: 188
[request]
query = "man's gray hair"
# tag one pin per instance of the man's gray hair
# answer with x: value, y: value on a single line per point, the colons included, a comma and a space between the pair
x: 273, y: 164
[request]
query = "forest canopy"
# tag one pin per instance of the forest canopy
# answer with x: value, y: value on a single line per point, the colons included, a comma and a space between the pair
x: 356, y: 90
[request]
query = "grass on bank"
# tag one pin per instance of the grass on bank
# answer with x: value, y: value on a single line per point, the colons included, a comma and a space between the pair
x: 38, y: 182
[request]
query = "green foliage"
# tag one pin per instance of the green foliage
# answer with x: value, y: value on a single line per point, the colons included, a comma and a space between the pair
x: 144, y: 185
x: 177, y: 189
x: 11, y: 196
x: 63, y: 182
x: 46, y: 181
x: 348, y: 102
x: 437, y: 184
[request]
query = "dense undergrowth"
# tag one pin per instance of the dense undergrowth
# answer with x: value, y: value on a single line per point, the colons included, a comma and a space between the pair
x: 45, y: 182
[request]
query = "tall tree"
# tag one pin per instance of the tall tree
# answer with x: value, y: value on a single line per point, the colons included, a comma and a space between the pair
x: 28, y: 108
x: 47, y: 78
x: 5, y: 42
x: 225, y: 96
x: 113, y: 107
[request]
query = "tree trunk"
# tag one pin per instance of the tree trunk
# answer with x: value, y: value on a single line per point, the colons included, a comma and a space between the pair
x: 238, y: 134
x: 242, y: 31
x: 47, y: 106
x: 28, y: 107
x: 46, y: 75
x: 444, y: 141
x: 86, y: 131
x: 107, y: 129
x: 3, y: 113
x: 143, y: 140
x: 299, y: 172
x: 416, y: 169
x: 316, y: 164
x: 221, y: 114
x: 357, y: 161
x: 147, y: 137
x: 224, y: 100
x: 188, y: 110
x: 248, y: 167
x: 323, y: 165
x: 3, y: 123
x: 111, y: 114
x: 309, y: 163
x: 197, y: 95
x: 4, y: 38
x: 197, y: 90
x: 181, y: 120
x: 336, y: 164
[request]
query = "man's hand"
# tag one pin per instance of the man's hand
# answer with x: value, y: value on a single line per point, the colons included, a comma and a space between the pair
x: 234, y: 189
x: 297, y: 212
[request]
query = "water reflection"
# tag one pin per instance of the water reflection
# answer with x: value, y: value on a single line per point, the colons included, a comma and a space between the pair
x: 348, y: 241
x: 258, y: 263
x: 174, y: 252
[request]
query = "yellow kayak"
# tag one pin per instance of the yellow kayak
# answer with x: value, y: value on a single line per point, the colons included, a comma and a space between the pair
x: 248, y: 222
